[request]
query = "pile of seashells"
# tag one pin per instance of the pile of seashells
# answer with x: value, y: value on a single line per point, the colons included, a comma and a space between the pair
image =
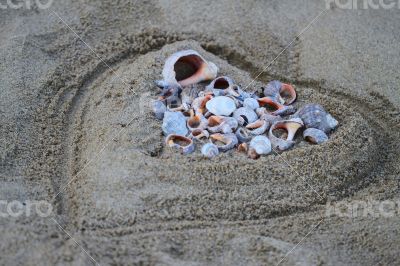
x: 221, y: 116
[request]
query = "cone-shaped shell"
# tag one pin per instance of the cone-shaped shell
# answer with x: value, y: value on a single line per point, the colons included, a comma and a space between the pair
x: 315, y: 116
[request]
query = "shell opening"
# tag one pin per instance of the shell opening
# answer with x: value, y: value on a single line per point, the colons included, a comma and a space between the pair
x: 187, y: 66
x: 214, y: 121
x: 179, y: 140
x: 280, y: 132
x: 288, y: 93
x: 194, y: 121
x: 269, y: 105
x: 221, y: 83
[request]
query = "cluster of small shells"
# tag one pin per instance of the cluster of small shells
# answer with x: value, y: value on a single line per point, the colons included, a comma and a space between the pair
x: 221, y: 116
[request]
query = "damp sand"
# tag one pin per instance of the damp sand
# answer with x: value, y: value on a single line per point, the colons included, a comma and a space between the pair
x: 74, y: 126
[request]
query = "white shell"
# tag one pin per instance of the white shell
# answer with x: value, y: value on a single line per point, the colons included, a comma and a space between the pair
x: 261, y: 145
x: 251, y: 103
x: 221, y: 105
x: 250, y: 115
x: 210, y: 150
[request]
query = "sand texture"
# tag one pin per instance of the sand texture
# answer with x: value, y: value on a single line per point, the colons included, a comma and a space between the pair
x: 76, y: 130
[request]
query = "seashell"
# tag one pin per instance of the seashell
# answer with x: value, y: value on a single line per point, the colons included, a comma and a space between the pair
x: 159, y: 109
x: 224, y: 142
x: 237, y: 92
x: 210, y: 150
x: 291, y: 126
x: 190, y: 94
x: 259, y: 145
x: 315, y: 116
x: 245, y: 115
x: 258, y: 128
x: 186, y: 68
x: 277, y: 108
x: 199, y: 134
x: 181, y: 108
x: 196, y: 121
x: 161, y: 84
x: 238, y: 102
x: 251, y: 103
x: 199, y: 104
x: 221, y: 124
x: 221, y: 105
x: 220, y: 83
x: 174, y: 123
x: 170, y: 93
x: 243, y: 135
x: 243, y: 147
x: 315, y: 136
x: 276, y: 90
x: 261, y: 111
x: 218, y: 92
x: 182, y: 143
x: 269, y: 118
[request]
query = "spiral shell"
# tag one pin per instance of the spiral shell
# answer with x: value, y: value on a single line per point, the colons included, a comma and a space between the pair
x: 183, y: 144
x: 199, y: 134
x: 258, y: 127
x: 224, y: 142
x: 245, y: 115
x: 315, y: 136
x: 259, y: 145
x: 291, y: 126
x: 209, y: 150
x: 276, y: 90
x: 243, y: 135
x: 221, y: 124
x: 278, y: 108
x: 315, y: 116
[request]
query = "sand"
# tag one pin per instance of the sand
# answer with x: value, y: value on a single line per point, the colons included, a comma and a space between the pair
x: 77, y: 131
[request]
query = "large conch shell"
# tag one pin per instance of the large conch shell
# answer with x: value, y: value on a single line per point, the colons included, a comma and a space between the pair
x: 186, y: 68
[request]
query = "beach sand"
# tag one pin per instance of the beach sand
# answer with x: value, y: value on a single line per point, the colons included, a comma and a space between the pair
x: 77, y: 131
